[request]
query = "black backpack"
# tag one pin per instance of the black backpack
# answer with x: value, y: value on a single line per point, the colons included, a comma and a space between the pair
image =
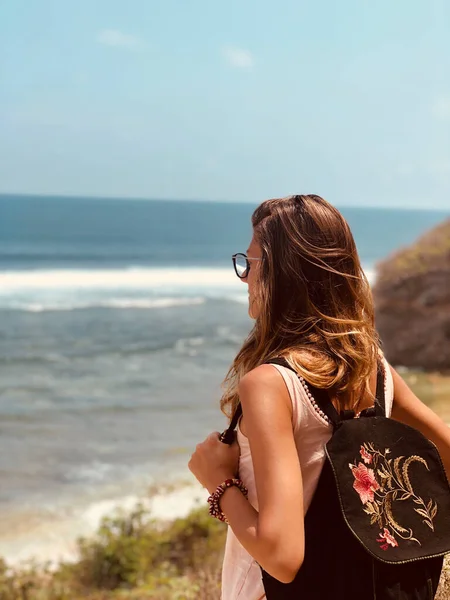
x: 378, y: 526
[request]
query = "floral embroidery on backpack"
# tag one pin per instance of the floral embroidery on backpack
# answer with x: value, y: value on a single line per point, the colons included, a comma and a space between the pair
x: 387, y: 539
x: 383, y: 482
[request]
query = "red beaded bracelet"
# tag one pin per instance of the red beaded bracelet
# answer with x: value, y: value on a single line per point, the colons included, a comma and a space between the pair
x: 214, y: 499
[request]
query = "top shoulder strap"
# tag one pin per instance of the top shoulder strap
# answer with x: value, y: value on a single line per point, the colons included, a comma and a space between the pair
x: 280, y: 361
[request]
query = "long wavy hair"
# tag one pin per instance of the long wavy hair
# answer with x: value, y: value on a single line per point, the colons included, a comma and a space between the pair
x: 315, y: 302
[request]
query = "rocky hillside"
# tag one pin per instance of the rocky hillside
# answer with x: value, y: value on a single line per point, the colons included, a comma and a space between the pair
x: 412, y: 301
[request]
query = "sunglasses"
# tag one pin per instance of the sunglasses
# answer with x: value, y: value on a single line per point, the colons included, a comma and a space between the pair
x: 241, y: 264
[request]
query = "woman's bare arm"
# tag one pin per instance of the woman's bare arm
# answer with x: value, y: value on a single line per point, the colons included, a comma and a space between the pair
x: 274, y: 536
x: 408, y: 409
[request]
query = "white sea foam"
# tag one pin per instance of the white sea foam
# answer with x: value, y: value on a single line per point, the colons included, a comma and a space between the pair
x: 150, y: 288
x: 156, y: 303
x: 123, y: 303
x: 132, y: 278
x: 66, y: 290
x: 189, y: 346
x: 58, y: 541
x: 239, y: 298
x: 94, y: 472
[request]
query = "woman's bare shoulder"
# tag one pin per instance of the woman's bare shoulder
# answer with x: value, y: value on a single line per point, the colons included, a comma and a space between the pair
x: 263, y: 390
x: 262, y: 375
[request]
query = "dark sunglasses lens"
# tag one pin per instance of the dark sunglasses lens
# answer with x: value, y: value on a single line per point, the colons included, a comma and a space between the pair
x: 240, y: 263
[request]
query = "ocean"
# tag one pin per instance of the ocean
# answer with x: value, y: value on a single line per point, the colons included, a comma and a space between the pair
x: 118, y: 321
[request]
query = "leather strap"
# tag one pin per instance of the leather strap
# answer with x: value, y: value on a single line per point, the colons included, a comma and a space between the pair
x: 380, y: 401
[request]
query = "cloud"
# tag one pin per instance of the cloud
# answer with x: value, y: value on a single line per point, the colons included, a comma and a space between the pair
x: 238, y: 57
x: 441, y: 108
x: 118, y: 39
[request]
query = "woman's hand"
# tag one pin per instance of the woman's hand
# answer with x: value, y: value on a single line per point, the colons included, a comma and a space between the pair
x: 213, y: 461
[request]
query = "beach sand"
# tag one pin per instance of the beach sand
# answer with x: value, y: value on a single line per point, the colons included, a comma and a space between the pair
x: 51, y: 536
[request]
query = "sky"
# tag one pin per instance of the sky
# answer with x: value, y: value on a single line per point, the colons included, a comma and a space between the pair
x: 238, y: 100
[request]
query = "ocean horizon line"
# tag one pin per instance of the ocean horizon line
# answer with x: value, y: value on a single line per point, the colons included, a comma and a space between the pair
x: 140, y: 199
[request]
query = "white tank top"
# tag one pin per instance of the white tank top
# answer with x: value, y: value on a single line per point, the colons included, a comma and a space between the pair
x: 241, y: 574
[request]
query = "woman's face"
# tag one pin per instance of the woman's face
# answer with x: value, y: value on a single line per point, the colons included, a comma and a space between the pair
x: 252, y: 279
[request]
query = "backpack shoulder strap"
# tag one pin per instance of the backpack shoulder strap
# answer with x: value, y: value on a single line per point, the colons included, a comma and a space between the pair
x: 228, y: 436
x: 380, y: 400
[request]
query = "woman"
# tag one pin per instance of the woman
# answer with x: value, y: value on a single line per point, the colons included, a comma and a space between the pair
x: 312, y: 305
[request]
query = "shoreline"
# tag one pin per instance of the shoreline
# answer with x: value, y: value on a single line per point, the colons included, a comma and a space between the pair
x: 50, y: 536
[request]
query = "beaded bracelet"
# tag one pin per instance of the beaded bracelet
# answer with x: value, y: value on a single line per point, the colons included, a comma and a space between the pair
x: 214, y: 500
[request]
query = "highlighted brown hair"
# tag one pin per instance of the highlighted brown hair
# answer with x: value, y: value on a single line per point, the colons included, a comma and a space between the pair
x: 315, y: 301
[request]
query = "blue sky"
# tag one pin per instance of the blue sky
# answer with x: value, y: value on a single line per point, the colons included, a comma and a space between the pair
x: 231, y: 100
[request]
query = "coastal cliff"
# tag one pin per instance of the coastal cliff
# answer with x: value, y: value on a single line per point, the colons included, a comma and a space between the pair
x: 412, y: 302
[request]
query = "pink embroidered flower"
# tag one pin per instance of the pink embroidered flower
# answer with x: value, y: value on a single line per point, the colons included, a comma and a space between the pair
x: 365, y: 483
x: 388, y: 540
x: 366, y: 456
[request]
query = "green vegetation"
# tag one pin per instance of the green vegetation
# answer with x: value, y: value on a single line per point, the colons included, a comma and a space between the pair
x: 433, y: 389
x: 134, y: 557
x: 429, y: 253
x: 131, y: 557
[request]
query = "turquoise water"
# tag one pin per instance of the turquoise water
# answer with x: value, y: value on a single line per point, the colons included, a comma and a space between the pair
x: 118, y: 321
